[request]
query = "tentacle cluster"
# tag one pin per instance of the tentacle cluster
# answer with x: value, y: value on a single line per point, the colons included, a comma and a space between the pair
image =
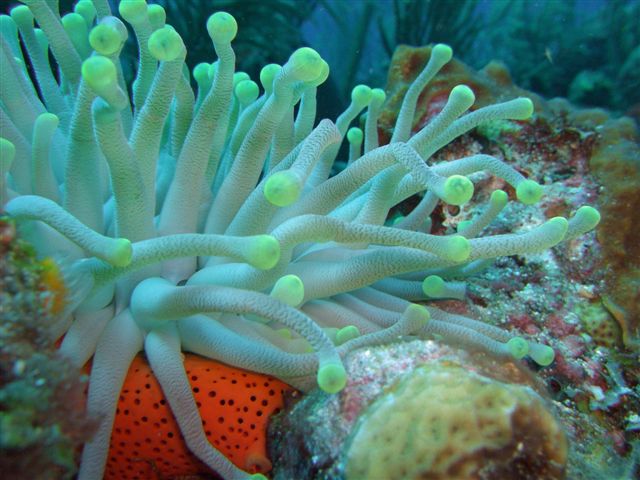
x: 209, y: 222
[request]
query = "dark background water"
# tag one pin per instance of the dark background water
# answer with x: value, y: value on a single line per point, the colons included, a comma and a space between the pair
x: 585, y: 50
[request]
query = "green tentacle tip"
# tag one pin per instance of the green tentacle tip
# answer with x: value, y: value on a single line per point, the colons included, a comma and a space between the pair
x: 347, y: 333
x: 458, y: 190
x: 560, y: 226
x: 239, y: 77
x: 378, y: 96
x: 157, y: 16
x: 7, y: 151
x: 361, y: 96
x: 543, y: 355
x: 100, y: 73
x: 8, y: 26
x: 434, y: 286
x: 201, y: 73
x: 322, y: 76
x: 305, y: 64
x: 442, y: 53
x: 22, y: 15
x: 257, y: 476
x: 499, y: 198
x: 74, y: 23
x: 418, y: 314
x: 247, y: 91
x: 86, y: 9
x: 263, y: 252
x: 518, y: 347
x: 47, y: 120
x: 462, y: 95
x: 165, y: 44
x: 282, y: 188
x: 588, y: 217
x: 222, y: 27
x: 267, y: 74
x: 106, y: 39
x: 289, y: 289
x: 523, y: 109
x: 332, y: 377
x: 355, y: 135
x: 120, y: 252
x: 458, y: 248
x: 529, y: 192
x: 133, y: 11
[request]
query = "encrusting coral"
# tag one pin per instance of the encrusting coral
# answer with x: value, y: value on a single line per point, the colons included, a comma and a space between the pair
x: 444, y: 422
x: 210, y: 222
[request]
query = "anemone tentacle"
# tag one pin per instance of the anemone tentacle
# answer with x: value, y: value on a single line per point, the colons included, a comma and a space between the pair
x: 209, y: 221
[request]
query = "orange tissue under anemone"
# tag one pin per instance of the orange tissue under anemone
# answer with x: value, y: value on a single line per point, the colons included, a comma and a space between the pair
x: 234, y: 404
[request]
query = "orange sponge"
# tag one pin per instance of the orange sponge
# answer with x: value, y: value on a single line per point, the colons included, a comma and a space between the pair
x: 235, y: 406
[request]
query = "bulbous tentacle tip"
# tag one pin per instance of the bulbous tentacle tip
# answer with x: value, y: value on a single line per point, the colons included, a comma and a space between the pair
x: 107, y: 38
x: 22, y: 15
x: 222, y: 27
x: 7, y: 152
x: 543, y: 355
x: 355, y: 135
x: 121, y: 252
x: 264, y: 252
x: 100, y: 73
x: 529, y: 192
x: 518, y: 347
x: 433, y: 286
x: 347, y: 333
x: 133, y: 11
x: 458, y: 190
x: 289, y: 289
x: 588, y: 216
x: 462, y: 95
x: 418, y: 315
x: 305, y: 65
x: 442, y: 53
x: 282, y: 188
x: 165, y: 44
x: 523, y: 109
x: 332, y: 377
x: 361, y: 95
x: 458, y: 248
x: 499, y: 198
